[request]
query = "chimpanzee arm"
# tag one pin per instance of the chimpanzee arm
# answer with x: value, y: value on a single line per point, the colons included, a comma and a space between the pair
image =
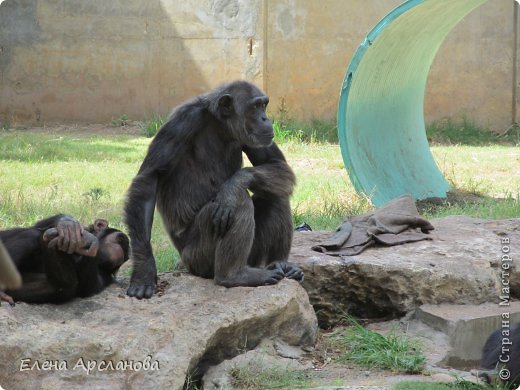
x: 51, y: 222
x: 90, y: 279
x: 22, y: 243
x: 139, y: 212
x: 163, y: 155
x: 269, y: 178
x: 270, y: 175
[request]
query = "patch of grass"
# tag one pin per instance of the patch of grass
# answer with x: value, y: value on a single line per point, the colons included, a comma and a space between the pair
x: 329, y: 211
x: 40, y: 147
x: 151, y: 126
x: 415, y: 385
x: 314, y: 132
x: 94, y: 194
x: 287, y: 129
x: 258, y: 377
x: 466, y: 132
x: 487, y: 208
x: 371, y: 350
x: 5, y: 125
x: 87, y: 174
x: 122, y: 121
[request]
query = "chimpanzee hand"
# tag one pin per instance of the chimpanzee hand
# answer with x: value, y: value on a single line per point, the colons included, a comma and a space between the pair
x: 224, y: 209
x: 69, y: 235
x: 290, y: 271
x: 87, y: 245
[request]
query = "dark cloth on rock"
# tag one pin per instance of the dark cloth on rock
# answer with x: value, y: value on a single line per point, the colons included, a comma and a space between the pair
x: 396, y: 223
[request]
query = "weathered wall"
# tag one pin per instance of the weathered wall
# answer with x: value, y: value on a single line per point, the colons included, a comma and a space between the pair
x: 473, y: 71
x: 310, y: 45
x: 94, y: 60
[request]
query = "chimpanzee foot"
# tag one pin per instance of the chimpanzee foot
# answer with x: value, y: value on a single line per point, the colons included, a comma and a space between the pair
x: 252, y: 277
x: 143, y: 286
x: 290, y: 270
x: 6, y: 298
x: 141, y: 291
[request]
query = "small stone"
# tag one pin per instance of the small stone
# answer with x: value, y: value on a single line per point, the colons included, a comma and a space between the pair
x: 287, y: 351
x: 443, y: 378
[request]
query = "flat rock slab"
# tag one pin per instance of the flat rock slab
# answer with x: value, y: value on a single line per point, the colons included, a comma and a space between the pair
x: 467, y: 328
x: 461, y: 265
x: 113, y: 341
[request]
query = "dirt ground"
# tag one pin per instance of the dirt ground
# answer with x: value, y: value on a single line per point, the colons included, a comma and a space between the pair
x: 116, y: 127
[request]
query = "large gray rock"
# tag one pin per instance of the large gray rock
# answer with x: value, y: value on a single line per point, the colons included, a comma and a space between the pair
x: 192, y: 325
x: 468, y: 327
x: 461, y: 265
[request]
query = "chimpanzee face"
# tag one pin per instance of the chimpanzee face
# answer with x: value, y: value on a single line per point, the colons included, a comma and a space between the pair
x: 113, y: 249
x: 242, y: 108
x: 258, y: 126
x: 113, y: 245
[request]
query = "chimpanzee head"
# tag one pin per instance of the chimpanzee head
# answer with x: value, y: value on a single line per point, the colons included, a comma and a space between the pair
x: 114, y: 246
x: 242, y: 107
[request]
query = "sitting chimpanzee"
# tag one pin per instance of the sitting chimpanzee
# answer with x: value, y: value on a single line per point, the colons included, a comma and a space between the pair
x: 229, y: 223
x: 59, y: 259
x: 501, y: 356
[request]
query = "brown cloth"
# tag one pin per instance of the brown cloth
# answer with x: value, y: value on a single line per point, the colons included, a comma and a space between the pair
x: 395, y: 223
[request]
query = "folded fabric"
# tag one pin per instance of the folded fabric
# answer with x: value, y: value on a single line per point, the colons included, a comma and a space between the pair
x: 396, y: 223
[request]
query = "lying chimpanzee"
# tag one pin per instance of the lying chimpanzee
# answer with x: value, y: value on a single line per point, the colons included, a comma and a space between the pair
x: 59, y: 259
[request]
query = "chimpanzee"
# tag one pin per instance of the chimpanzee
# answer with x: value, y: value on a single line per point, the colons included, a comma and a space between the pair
x: 193, y: 171
x: 59, y: 259
x: 501, y: 356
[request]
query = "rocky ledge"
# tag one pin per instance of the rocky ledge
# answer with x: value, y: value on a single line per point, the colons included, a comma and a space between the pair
x: 113, y: 341
x: 461, y: 265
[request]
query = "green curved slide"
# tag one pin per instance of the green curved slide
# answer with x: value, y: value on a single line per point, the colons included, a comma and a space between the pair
x: 381, y: 108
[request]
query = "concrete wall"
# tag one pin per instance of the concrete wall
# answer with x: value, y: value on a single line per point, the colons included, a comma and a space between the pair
x: 94, y: 60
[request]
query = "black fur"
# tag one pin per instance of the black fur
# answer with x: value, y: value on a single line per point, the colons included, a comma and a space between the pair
x: 193, y: 172
x: 51, y: 274
x: 494, y: 358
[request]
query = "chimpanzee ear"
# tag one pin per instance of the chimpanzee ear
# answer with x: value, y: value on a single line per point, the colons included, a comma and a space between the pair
x: 100, y: 224
x: 225, y: 105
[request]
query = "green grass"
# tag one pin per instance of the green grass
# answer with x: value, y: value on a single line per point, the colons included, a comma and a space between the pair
x: 87, y: 175
x: 151, y: 126
x: 316, y: 131
x: 257, y: 377
x: 371, y: 350
x: 466, y: 132
x: 459, y: 385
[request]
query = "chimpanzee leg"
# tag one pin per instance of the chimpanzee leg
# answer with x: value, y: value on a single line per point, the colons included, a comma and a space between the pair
x: 21, y: 244
x: 36, y: 289
x: 225, y: 258
x: 273, y: 236
x: 58, y: 283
